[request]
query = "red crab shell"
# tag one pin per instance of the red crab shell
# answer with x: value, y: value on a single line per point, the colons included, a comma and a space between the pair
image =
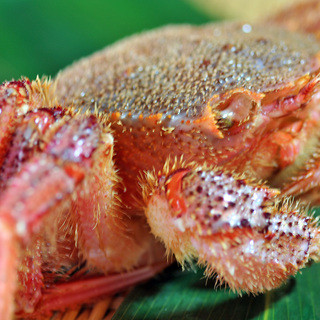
x: 238, y: 96
x: 180, y: 101
x: 231, y: 94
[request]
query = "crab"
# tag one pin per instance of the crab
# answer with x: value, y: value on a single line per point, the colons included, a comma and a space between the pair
x: 184, y: 141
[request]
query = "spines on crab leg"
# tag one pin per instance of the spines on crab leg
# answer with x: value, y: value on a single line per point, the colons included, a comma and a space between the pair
x: 58, y: 204
x: 237, y: 228
x: 108, y: 239
x: 45, y: 179
x: 12, y: 97
x: 42, y: 183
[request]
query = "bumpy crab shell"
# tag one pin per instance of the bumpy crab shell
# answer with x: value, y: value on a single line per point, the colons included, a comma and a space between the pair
x: 214, y: 93
x: 239, y: 96
x: 196, y: 105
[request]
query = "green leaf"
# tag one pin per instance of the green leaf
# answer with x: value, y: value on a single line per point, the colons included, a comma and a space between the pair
x: 188, y: 295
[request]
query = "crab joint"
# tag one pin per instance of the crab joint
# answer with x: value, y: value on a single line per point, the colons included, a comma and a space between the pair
x: 173, y: 191
x: 239, y: 228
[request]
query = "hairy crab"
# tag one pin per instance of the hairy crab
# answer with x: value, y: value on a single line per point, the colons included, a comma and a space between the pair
x: 198, y: 134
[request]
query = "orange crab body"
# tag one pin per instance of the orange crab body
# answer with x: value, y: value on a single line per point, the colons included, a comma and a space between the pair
x: 169, y: 131
x: 212, y: 94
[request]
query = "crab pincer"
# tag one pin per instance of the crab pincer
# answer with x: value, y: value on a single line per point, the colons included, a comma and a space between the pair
x: 241, y: 230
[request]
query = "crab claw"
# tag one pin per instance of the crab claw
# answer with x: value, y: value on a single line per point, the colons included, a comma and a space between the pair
x: 239, y: 229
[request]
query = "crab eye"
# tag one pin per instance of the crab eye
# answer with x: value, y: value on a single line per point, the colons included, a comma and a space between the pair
x: 235, y: 111
x: 226, y: 119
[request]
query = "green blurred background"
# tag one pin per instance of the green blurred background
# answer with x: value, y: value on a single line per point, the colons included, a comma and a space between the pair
x: 41, y: 37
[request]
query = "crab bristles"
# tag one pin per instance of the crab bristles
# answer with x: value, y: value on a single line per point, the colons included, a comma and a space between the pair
x: 238, y: 228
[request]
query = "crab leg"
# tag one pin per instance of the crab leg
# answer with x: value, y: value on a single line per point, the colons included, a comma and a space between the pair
x: 74, y: 293
x: 41, y: 184
x: 109, y: 240
x: 58, y: 187
x: 45, y: 179
x: 8, y: 267
x: 239, y: 229
x: 307, y: 182
x: 12, y: 97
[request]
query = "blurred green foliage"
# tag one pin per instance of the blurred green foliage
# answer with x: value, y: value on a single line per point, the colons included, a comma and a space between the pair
x: 175, y: 295
x: 41, y: 37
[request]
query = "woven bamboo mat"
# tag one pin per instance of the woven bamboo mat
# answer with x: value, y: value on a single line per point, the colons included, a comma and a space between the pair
x: 102, y: 310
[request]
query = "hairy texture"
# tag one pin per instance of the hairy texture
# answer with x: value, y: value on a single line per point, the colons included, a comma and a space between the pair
x: 176, y: 70
x: 307, y: 182
x: 59, y: 208
x: 27, y: 140
x: 238, y: 228
x: 108, y: 240
x: 13, y: 96
x: 215, y: 93
x: 237, y: 97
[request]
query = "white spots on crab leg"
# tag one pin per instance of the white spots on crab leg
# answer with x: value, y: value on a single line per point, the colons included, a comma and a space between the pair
x: 237, y: 228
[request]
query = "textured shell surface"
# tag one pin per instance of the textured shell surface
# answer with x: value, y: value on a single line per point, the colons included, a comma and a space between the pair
x: 177, y: 69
